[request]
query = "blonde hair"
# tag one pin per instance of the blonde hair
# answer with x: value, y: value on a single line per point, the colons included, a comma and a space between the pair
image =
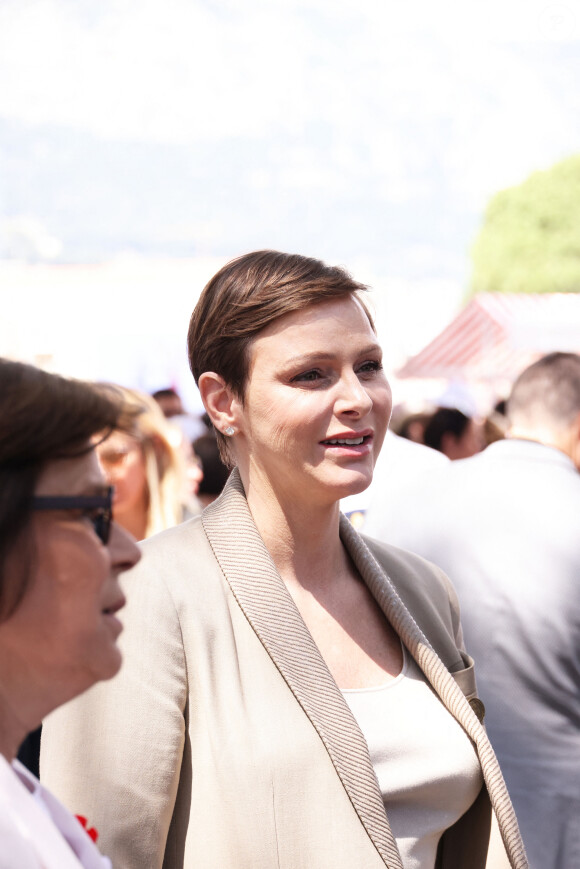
x: 164, y: 461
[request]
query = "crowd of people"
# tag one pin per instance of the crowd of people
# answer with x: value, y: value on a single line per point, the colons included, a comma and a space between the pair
x: 292, y: 692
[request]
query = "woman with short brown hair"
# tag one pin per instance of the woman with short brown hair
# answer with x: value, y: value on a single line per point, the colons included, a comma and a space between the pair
x: 294, y: 695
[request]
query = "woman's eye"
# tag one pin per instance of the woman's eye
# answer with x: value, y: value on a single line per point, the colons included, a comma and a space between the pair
x: 307, y: 376
x: 97, y: 517
x: 371, y: 365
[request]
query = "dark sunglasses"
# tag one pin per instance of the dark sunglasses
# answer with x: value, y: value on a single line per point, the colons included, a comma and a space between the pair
x: 97, y: 508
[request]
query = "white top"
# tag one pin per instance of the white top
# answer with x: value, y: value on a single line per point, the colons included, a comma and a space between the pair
x: 36, y: 831
x: 426, y: 765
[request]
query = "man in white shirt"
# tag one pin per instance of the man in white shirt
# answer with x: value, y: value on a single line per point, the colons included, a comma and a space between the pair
x: 505, y: 526
x: 400, y: 464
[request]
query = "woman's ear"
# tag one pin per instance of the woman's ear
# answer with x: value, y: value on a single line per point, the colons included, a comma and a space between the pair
x: 219, y: 400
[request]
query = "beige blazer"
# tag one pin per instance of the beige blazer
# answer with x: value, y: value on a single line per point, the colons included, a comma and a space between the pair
x: 224, y: 743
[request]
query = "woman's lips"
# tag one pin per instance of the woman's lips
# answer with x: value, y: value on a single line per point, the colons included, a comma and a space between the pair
x: 352, y: 445
x: 114, y: 607
x: 109, y: 614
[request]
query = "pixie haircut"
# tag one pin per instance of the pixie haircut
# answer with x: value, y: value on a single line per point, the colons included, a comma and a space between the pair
x: 247, y: 295
x: 547, y: 393
x: 42, y: 417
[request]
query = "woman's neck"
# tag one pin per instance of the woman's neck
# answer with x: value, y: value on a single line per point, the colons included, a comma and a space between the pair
x: 14, y: 723
x: 302, y: 539
x: 26, y: 694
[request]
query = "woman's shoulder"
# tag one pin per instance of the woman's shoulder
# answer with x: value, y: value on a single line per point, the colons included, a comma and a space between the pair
x: 181, y: 547
x: 405, y: 567
x: 182, y: 534
x: 178, y: 569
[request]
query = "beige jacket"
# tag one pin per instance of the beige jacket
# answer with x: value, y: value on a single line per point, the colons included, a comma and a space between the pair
x: 224, y: 743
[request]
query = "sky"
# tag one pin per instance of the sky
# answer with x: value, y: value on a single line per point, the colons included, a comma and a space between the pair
x: 181, y: 71
x: 495, y: 78
x: 370, y: 133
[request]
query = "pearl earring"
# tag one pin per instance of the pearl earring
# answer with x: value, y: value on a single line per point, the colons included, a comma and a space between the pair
x: 230, y: 431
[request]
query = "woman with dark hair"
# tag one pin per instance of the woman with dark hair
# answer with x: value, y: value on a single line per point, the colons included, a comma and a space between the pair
x: 453, y: 433
x: 60, y: 559
x: 294, y: 696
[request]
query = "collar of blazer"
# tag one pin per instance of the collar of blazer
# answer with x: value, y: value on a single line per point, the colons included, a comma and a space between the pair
x: 271, y: 612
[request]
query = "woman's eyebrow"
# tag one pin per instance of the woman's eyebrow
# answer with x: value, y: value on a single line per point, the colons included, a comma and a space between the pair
x: 321, y: 356
x: 305, y: 358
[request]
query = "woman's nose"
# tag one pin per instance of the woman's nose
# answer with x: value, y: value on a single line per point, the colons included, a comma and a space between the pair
x: 352, y: 396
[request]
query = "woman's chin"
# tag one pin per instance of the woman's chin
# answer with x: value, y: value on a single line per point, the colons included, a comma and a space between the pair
x: 109, y: 663
x: 352, y: 484
x: 114, y: 663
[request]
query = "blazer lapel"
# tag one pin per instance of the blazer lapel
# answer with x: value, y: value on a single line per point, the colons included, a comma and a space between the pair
x: 385, y: 593
x: 270, y: 610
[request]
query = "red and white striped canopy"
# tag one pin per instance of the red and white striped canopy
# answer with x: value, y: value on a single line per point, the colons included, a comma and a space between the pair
x: 496, y: 336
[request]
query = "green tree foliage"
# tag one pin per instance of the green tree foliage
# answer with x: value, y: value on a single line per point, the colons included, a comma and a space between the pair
x: 530, y: 238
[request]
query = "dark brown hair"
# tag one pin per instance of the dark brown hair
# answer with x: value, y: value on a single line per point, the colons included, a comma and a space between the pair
x: 244, y: 297
x: 42, y: 417
x: 445, y: 420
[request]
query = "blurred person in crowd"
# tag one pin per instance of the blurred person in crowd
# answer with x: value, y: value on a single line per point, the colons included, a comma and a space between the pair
x: 191, y: 503
x: 495, y: 425
x: 453, y: 433
x: 268, y: 645
x: 401, y: 463
x: 412, y: 426
x: 194, y: 471
x: 147, y: 468
x: 505, y: 527
x: 60, y: 560
x: 214, y: 472
x: 169, y: 401
x: 403, y: 458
